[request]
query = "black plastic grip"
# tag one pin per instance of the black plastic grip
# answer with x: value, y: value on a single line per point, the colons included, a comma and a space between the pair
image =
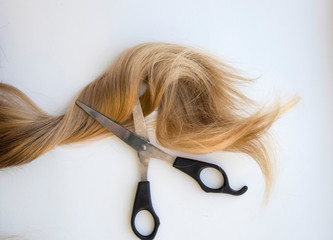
x: 193, y: 169
x: 143, y: 202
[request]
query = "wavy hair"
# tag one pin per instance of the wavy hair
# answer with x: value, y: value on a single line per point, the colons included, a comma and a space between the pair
x: 199, y: 108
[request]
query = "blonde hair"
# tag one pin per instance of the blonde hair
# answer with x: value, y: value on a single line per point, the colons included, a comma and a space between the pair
x: 199, y: 108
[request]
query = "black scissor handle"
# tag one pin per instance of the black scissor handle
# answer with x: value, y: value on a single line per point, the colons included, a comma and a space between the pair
x: 193, y: 168
x: 143, y: 202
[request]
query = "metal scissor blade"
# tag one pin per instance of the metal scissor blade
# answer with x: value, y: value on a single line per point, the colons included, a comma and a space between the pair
x: 132, y: 139
x: 140, y: 128
x: 139, y: 120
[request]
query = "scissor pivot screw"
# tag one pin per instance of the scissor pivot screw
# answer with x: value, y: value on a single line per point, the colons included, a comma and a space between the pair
x: 144, y: 147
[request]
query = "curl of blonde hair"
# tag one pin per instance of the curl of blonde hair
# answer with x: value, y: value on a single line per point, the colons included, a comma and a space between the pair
x: 199, y: 108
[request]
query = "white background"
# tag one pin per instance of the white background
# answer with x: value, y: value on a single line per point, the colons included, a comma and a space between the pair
x: 51, y: 49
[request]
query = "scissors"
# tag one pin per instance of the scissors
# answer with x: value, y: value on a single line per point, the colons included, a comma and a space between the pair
x: 139, y: 141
